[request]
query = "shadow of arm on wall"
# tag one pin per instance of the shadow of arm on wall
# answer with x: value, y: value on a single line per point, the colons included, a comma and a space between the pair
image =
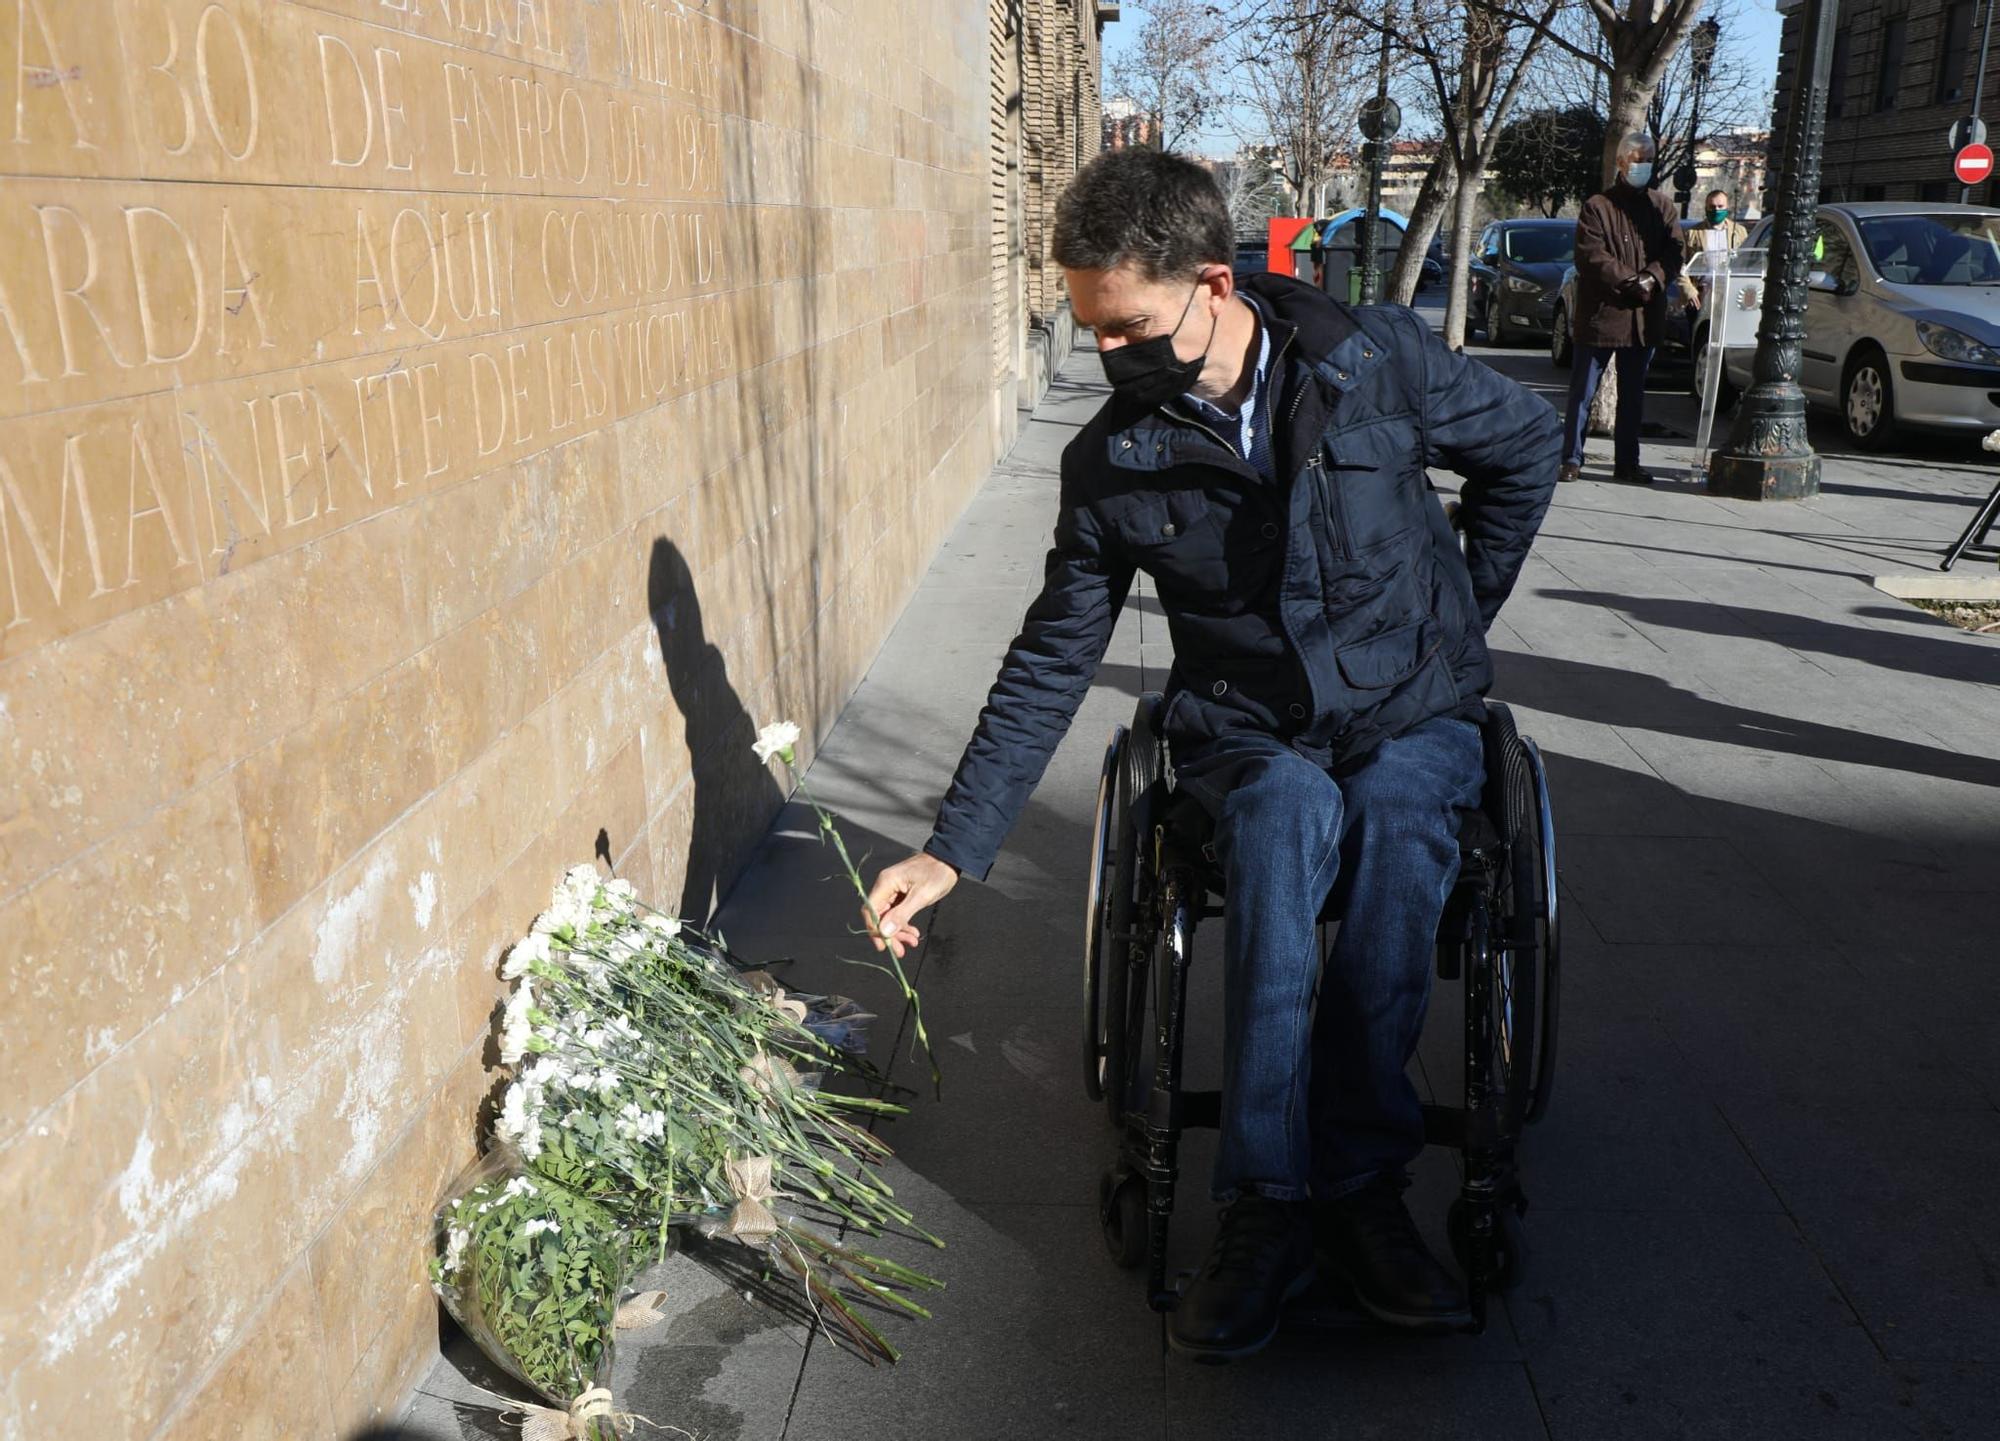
x: 734, y: 795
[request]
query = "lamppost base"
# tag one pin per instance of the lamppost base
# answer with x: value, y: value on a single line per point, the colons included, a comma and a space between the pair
x: 1764, y: 477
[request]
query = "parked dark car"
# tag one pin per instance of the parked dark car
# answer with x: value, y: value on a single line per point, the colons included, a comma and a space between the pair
x: 1252, y: 258
x: 1516, y: 272
x: 1676, y: 347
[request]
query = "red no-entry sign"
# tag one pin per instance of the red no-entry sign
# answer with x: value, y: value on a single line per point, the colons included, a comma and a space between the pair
x: 1972, y: 164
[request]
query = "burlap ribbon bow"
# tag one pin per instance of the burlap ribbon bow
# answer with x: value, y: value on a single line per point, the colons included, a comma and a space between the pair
x: 768, y: 1074
x: 751, y: 1221
x: 546, y: 1423
x: 765, y: 985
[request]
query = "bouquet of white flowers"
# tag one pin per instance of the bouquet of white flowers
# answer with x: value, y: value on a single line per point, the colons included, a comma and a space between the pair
x: 532, y: 1273
x: 657, y: 1084
x: 672, y: 1089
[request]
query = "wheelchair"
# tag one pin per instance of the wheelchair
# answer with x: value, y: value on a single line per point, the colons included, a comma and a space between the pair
x: 1154, y: 878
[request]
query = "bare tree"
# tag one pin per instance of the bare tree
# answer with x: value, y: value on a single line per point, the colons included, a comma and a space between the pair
x: 1434, y: 198
x: 1301, y: 70
x: 1171, y: 68
x: 1252, y: 187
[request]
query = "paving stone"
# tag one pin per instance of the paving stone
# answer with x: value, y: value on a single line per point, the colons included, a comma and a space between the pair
x: 1036, y: 1334
x: 1696, y: 1325
x: 1897, y: 1206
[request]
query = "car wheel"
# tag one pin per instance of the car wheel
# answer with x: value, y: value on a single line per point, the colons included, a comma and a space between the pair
x: 1561, y: 348
x: 1867, y: 402
x: 1496, y: 333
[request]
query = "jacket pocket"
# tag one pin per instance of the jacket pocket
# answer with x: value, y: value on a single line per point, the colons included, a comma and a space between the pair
x: 1388, y: 659
x: 1162, y: 520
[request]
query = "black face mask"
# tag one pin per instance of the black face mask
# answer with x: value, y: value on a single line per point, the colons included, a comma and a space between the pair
x: 1147, y: 372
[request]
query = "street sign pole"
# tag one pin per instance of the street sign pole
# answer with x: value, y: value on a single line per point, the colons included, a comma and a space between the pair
x: 1979, y: 92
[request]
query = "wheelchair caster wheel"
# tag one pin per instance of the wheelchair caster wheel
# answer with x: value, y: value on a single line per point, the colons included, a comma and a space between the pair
x: 1121, y: 1211
x: 1507, y: 1263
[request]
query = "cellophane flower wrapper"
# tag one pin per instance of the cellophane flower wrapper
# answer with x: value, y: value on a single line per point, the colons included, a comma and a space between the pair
x: 532, y: 1272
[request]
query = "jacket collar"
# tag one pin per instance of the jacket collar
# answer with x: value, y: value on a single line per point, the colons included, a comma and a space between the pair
x: 1307, y: 325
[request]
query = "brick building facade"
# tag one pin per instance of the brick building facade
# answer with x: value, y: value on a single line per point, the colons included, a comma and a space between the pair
x: 432, y: 439
x: 1903, y: 71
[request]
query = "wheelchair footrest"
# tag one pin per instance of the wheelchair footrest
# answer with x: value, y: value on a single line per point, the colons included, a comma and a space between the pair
x: 1201, y: 1109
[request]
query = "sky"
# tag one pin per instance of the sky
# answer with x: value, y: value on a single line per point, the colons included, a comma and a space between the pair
x: 1750, y: 26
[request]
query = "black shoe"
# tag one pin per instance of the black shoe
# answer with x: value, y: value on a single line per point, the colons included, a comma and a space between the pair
x: 1632, y: 477
x: 1368, y: 1238
x: 1569, y: 472
x: 1262, y: 1257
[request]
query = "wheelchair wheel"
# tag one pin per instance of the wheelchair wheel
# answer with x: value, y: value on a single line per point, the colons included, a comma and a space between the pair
x: 1551, y: 941
x: 1104, y: 867
x: 1513, y: 940
x: 1119, y: 940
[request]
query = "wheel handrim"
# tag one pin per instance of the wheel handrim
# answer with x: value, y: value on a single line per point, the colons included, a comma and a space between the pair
x: 1864, y: 401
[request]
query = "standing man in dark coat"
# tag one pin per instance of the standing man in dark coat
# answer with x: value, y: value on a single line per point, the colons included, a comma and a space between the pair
x: 1263, y: 458
x: 1628, y: 256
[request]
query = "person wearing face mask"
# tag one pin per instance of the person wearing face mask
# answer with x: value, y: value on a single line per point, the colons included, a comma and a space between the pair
x: 1262, y: 456
x: 1628, y: 256
x: 1717, y: 231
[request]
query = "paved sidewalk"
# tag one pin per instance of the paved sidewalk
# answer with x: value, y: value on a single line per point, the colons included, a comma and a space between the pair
x: 1761, y: 1198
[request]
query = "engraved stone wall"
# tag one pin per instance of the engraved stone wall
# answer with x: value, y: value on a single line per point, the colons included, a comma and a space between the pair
x: 432, y: 434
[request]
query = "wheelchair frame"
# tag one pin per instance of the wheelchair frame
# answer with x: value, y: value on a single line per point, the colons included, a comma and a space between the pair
x: 1152, y: 881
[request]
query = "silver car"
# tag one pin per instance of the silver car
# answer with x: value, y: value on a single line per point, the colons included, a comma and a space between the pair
x: 1902, y: 318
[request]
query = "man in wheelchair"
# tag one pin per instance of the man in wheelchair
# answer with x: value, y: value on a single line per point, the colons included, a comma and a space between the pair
x: 1262, y: 457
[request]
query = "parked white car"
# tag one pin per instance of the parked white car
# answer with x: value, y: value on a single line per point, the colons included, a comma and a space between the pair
x: 1902, y: 318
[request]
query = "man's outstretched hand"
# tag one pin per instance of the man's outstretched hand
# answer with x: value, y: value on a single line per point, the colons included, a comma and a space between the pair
x: 900, y: 892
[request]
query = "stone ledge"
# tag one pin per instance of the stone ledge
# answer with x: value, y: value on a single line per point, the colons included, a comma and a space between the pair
x: 1940, y: 586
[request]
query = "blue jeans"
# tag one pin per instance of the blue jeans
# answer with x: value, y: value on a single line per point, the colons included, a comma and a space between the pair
x: 1317, y: 1101
x: 1586, y: 369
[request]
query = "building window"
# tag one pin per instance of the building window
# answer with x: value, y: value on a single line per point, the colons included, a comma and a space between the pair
x: 1954, y: 45
x: 1936, y: 190
x: 1890, y: 78
x: 1836, y: 85
x: 1874, y: 192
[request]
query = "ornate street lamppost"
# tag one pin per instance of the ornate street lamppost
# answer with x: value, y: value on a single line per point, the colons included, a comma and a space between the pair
x: 1381, y: 118
x: 1769, y: 456
x: 1701, y: 52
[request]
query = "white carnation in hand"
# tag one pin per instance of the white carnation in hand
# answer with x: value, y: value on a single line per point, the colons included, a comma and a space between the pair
x: 1992, y: 441
x: 776, y: 739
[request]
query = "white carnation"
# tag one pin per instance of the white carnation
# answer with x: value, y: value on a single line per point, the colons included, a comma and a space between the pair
x: 539, y: 1225
x: 618, y: 895
x: 565, y: 912
x: 776, y: 739
x: 542, y: 1072
x: 1992, y: 441
x: 513, y: 1122
x: 666, y: 927
x: 525, y: 953
x: 454, y: 1248
x: 604, y: 1082
x: 516, y: 1029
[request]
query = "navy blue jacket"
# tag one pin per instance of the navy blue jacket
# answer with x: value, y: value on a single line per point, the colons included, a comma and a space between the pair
x: 1332, y: 609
